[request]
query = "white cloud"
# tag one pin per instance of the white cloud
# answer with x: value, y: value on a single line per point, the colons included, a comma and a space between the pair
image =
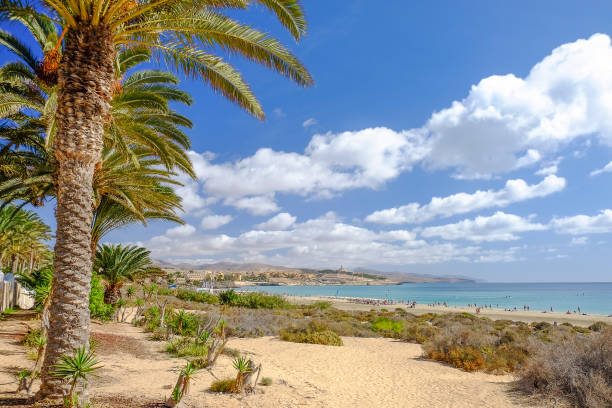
x: 606, y: 169
x: 331, y: 163
x: 580, y: 240
x: 309, y: 122
x: 210, y: 222
x: 584, y: 224
x: 258, y: 205
x: 461, y: 203
x: 506, y: 122
x: 549, y: 168
x: 323, y: 242
x: 498, y: 227
x: 278, y: 112
x: 181, y: 231
x: 279, y: 222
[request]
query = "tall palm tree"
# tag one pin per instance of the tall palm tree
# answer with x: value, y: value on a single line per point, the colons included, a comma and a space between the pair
x: 142, y: 129
x: 117, y: 264
x: 22, y: 237
x: 181, y: 33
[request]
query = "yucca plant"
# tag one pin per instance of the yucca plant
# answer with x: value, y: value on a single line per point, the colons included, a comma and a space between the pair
x: 78, y: 367
x: 182, y: 385
x: 244, y: 366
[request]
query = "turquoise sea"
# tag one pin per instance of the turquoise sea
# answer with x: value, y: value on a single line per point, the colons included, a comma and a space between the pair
x: 590, y: 297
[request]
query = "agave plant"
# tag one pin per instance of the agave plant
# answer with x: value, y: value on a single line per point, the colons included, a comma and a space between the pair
x: 78, y: 367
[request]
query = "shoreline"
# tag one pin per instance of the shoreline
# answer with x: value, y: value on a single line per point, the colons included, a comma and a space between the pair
x: 345, y: 303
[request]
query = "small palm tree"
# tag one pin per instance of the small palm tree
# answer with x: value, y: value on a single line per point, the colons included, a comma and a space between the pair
x: 118, y: 264
x: 75, y: 368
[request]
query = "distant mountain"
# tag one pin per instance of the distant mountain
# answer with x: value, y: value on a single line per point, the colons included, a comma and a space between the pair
x: 225, y: 266
x: 262, y: 268
x: 409, y: 277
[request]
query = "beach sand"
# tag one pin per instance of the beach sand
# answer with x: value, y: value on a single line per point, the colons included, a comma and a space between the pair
x: 495, y: 314
x: 372, y: 372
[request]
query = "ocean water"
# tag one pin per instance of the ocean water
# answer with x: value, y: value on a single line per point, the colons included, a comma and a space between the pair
x: 590, y: 297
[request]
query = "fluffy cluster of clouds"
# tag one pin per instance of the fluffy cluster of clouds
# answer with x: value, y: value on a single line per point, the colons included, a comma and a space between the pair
x: 503, y: 124
x: 322, y: 241
x: 328, y: 240
x: 441, y: 207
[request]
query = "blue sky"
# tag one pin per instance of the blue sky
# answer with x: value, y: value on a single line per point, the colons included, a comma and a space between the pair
x: 499, y: 109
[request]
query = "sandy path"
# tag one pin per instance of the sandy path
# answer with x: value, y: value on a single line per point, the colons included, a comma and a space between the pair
x: 363, y: 373
x: 12, y: 354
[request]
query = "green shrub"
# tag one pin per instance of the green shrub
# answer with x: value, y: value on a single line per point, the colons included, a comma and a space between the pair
x: 97, y: 308
x: 387, y: 327
x: 186, y: 347
x: 266, y: 381
x: 254, y: 300
x: 322, y: 305
x: 190, y: 295
x: 184, y: 323
x: 223, y: 385
x: 32, y: 338
x: 229, y: 298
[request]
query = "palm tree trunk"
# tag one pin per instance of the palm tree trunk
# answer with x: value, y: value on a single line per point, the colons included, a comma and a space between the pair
x: 112, y: 294
x: 86, y: 75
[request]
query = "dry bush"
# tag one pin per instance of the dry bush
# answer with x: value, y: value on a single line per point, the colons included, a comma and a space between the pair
x: 598, y: 326
x: 316, y: 332
x: 577, y: 369
x: 255, y: 322
x: 478, y: 346
x: 418, y: 332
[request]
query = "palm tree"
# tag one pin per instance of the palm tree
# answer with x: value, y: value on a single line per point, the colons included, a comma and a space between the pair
x: 139, y: 109
x: 129, y: 186
x: 22, y: 237
x: 180, y: 33
x: 118, y: 264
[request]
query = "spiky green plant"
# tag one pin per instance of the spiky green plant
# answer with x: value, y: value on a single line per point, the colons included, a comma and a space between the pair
x: 75, y: 368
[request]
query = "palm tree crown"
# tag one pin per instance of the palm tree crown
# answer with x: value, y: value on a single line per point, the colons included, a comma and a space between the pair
x: 118, y: 264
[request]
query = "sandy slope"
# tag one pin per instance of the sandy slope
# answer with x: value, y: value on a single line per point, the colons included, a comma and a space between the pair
x: 363, y: 373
